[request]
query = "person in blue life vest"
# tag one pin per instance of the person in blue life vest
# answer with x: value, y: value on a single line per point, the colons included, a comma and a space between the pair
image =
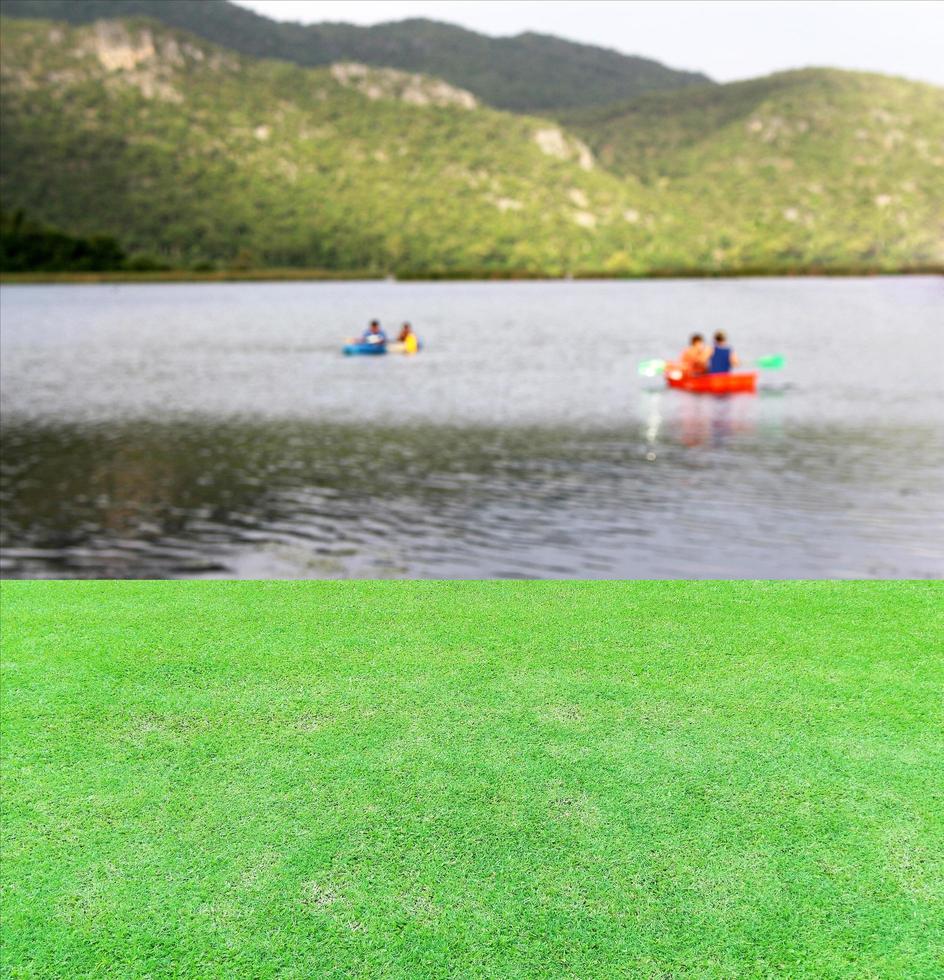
x: 722, y: 358
x: 373, y: 334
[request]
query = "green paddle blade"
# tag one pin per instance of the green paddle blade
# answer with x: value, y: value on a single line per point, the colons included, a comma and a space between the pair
x: 649, y: 369
x: 771, y: 362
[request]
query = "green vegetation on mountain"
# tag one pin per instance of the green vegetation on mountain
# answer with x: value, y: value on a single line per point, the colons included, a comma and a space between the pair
x: 26, y: 246
x: 192, y: 153
x: 196, y: 155
x: 825, y: 166
x: 527, y: 73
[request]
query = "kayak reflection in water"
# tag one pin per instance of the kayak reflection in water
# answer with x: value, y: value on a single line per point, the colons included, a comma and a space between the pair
x: 722, y: 357
x: 694, y: 359
x: 373, y: 334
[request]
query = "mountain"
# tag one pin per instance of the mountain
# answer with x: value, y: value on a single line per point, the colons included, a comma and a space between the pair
x: 189, y: 153
x: 824, y: 165
x: 192, y: 153
x: 528, y: 73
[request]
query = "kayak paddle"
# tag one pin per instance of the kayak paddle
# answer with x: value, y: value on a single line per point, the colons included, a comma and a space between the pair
x: 649, y: 369
x: 770, y: 362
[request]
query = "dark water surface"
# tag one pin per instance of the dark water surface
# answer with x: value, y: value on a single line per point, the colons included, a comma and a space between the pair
x: 215, y: 430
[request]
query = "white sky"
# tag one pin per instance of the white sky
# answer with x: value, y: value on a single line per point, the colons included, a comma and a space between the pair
x: 727, y: 39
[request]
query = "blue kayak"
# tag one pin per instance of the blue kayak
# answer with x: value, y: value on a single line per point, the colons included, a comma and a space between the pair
x: 365, y: 349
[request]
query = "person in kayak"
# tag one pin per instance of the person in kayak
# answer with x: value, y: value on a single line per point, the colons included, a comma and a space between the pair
x: 722, y: 358
x: 694, y: 359
x: 373, y: 334
x: 411, y: 343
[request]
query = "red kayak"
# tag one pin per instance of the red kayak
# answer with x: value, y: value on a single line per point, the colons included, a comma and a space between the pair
x: 713, y: 384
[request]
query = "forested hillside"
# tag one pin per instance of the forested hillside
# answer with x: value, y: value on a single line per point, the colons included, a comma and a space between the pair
x: 528, y: 73
x: 193, y: 155
x: 826, y: 165
x: 28, y: 247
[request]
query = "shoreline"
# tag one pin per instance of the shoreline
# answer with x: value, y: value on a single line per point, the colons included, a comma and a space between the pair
x: 481, y: 275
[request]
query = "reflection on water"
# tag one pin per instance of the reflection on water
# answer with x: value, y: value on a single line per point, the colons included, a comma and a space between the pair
x: 702, y: 421
x: 216, y: 430
x: 701, y: 486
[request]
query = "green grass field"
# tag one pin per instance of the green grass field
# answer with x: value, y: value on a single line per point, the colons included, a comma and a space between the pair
x: 473, y: 779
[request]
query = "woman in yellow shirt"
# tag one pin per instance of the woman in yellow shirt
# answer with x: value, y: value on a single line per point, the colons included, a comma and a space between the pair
x: 408, y: 339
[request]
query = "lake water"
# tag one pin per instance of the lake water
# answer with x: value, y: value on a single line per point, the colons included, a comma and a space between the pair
x: 215, y: 430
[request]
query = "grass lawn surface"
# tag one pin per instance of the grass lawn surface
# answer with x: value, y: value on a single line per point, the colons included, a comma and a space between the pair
x: 432, y: 779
